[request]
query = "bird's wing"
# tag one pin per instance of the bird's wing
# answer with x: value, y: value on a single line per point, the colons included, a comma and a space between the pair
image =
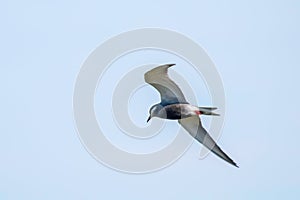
x: 170, y: 93
x: 194, y: 127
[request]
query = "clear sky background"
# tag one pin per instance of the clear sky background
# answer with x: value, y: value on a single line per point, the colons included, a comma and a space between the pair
x: 255, y: 46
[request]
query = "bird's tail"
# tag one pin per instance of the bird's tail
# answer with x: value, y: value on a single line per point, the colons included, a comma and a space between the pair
x: 208, y: 111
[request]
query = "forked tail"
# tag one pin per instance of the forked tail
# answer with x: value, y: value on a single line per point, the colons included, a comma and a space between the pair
x: 208, y: 111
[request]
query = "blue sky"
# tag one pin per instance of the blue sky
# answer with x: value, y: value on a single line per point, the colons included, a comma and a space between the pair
x: 255, y: 47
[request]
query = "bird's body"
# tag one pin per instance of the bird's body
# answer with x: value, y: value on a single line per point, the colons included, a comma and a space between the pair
x: 173, y: 106
x: 178, y: 111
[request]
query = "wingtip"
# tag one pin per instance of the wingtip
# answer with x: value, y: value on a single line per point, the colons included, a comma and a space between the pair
x: 234, y: 164
x: 168, y: 65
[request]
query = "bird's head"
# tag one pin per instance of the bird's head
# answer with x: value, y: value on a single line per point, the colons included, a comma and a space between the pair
x: 154, y: 111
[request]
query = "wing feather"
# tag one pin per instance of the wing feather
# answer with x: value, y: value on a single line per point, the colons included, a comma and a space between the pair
x: 194, y: 127
x: 169, y: 91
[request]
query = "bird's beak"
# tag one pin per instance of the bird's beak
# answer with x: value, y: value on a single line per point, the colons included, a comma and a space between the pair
x: 148, y: 119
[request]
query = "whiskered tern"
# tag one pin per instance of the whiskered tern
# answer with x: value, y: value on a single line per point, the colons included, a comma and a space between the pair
x: 174, y: 106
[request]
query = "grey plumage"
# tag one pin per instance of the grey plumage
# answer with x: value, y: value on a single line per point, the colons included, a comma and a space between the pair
x: 194, y: 127
x: 174, y: 106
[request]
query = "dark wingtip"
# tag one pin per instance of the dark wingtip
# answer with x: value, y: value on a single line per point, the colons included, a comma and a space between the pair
x: 170, y: 65
x: 233, y: 163
x: 236, y: 165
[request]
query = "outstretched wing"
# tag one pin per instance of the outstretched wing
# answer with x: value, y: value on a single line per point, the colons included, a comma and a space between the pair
x: 194, y: 127
x: 170, y: 93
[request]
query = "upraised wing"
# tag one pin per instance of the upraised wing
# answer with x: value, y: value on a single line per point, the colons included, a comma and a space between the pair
x: 170, y: 93
x: 194, y: 127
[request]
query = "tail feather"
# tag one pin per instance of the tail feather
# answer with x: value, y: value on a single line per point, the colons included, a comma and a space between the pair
x: 208, y: 108
x: 208, y: 111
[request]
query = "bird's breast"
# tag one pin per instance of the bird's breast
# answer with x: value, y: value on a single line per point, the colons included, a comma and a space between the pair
x: 177, y: 111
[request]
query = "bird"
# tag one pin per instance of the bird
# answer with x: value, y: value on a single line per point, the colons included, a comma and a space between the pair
x: 174, y: 106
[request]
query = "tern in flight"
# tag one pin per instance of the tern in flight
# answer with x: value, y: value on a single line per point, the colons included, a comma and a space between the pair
x: 174, y: 106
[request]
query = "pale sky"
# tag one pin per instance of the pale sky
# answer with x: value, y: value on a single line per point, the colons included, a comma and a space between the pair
x: 255, y: 47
